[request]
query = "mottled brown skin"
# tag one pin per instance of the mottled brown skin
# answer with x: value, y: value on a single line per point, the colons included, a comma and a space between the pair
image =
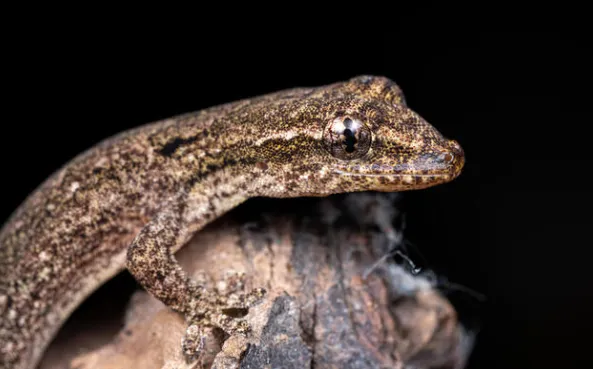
x: 136, y: 198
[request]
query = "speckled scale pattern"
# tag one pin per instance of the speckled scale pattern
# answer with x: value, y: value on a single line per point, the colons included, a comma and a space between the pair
x: 137, y: 197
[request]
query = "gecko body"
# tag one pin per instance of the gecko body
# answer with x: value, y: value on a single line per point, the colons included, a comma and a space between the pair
x: 136, y: 198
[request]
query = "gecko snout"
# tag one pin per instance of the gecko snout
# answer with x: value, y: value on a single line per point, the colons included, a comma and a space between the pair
x: 447, y: 160
x: 454, y: 157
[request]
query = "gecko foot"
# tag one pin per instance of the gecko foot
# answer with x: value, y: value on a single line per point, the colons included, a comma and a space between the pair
x: 215, y: 315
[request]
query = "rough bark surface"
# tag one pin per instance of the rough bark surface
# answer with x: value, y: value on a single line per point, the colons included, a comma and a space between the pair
x: 334, y: 300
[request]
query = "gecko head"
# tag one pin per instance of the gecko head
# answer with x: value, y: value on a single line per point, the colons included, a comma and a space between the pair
x: 365, y: 138
x: 377, y: 143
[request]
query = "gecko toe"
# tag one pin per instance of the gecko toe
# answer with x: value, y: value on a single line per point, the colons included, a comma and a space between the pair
x: 193, y: 342
x: 201, y: 342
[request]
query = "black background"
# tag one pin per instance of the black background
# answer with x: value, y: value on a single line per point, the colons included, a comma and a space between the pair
x: 516, y: 224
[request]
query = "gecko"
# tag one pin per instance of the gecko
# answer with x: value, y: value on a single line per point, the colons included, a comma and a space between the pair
x: 134, y: 199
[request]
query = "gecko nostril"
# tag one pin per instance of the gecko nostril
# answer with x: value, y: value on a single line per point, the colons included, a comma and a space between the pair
x: 445, y: 158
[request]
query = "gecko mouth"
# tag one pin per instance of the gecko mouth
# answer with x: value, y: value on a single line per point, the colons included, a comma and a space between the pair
x: 434, y: 164
x: 423, y: 170
x: 393, y: 175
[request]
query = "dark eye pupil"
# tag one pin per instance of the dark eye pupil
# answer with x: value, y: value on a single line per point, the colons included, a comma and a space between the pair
x: 349, y: 140
x: 346, y: 138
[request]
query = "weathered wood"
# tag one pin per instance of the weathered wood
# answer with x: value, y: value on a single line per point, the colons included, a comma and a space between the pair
x: 330, y: 304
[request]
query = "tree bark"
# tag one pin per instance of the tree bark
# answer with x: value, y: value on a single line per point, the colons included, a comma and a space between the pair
x: 334, y: 299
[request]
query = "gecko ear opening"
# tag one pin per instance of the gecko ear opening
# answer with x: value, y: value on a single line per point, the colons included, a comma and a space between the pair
x: 380, y: 87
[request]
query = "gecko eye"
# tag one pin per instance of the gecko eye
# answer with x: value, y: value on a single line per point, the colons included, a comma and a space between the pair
x: 347, y: 138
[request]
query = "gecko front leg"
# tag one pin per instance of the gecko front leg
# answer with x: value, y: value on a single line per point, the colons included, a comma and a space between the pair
x: 151, y: 260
